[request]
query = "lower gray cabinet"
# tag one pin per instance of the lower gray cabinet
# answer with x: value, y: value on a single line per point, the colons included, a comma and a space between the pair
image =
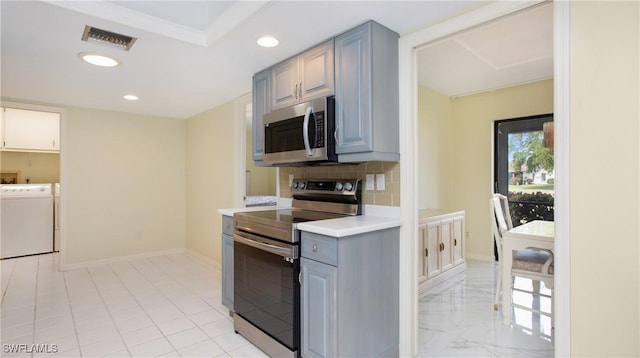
x: 318, y: 317
x: 227, y: 262
x: 349, y: 294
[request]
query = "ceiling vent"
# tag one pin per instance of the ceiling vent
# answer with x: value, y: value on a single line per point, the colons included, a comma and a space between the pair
x: 122, y: 42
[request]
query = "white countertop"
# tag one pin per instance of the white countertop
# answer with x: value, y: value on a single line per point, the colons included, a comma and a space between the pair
x: 375, y: 218
x: 351, y: 225
x: 230, y: 212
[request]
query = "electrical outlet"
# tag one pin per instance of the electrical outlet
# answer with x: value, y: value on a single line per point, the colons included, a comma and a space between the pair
x: 369, y: 182
x: 380, y: 185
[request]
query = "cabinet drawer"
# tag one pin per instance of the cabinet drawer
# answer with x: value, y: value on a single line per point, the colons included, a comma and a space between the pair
x: 227, y: 225
x: 320, y: 248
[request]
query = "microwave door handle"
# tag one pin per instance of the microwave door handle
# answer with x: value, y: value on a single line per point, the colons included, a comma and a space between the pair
x: 305, y: 131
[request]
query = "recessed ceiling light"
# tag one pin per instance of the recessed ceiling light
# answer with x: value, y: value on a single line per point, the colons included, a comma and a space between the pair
x: 130, y: 97
x: 268, y: 41
x: 98, y: 59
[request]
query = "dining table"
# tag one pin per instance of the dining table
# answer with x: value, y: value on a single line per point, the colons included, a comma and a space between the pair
x: 537, y: 233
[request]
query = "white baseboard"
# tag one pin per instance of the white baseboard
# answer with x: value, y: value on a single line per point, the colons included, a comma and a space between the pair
x: 122, y: 259
x: 217, y: 265
x: 479, y: 257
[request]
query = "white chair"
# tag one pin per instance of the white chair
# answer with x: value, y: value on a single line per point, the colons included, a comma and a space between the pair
x: 532, y: 263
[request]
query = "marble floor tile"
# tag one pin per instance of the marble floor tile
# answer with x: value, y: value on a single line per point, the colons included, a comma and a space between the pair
x: 457, y: 319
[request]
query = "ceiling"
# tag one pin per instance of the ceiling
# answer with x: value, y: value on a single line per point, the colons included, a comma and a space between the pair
x: 191, y: 56
x: 514, y: 50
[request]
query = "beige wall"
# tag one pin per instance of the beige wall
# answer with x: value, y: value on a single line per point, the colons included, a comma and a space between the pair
x: 124, y: 187
x: 436, y: 145
x: 455, y: 151
x: 210, y: 178
x: 262, y: 180
x: 38, y: 167
x: 604, y: 157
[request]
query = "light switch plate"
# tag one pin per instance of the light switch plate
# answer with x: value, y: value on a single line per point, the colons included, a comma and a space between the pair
x: 380, y: 181
x: 290, y: 180
x: 369, y: 182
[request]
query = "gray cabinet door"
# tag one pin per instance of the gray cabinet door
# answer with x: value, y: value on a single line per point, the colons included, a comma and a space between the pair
x: 284, y: 84
x: 319, y: 310
x: 304, y: 77
x: 316, y: 72
x: 261, y: 105
x: 353, y: 91
x: 367, y: 104
x: 227, y: 271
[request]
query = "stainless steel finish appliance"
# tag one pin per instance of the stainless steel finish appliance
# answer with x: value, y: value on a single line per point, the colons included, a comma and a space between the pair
x: 301, y: 134
x: 267, y: 262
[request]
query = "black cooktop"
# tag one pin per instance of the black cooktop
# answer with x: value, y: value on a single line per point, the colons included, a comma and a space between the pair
x: 292, y: 216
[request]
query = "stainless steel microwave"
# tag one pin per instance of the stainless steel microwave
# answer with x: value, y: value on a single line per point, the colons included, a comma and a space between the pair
x: 301, y: 134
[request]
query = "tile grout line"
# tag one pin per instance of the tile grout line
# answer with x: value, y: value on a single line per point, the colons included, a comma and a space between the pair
x: 6, y: 288
x: 75, y: 328
x: 176, y: 306
x: 155, y: 324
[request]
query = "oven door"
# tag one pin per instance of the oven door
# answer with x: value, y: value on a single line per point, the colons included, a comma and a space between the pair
x: 300, y: 133
x: 266, y: 288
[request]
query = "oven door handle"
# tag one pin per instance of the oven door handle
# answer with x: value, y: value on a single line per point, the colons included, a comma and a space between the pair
x: 280, y: 251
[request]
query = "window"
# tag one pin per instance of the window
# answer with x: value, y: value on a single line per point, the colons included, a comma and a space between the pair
x: 524, y: 167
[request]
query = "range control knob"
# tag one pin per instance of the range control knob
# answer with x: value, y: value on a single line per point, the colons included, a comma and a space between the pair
x: 301, y: 185
x: 294, y: 185
x: 348, y: 186
x: 338, y: 186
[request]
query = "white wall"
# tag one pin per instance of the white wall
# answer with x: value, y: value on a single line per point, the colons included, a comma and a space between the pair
x: 124, y: 186
x: 604, y: 159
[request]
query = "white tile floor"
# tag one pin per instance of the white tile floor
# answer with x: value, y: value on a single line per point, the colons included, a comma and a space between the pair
x: 165, y: 306
x: 170, y: 306
x: 457, y: 319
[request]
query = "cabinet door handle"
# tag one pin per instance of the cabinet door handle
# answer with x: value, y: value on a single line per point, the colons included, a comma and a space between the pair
x: 295, y: 91
x: 300, y: 89
x: 426, y: 252
x: 455, y: 242
x: 300, y: 278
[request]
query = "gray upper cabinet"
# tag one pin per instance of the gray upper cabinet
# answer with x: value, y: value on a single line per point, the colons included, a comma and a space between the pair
x: 367, y: 114
x: 261, y: 105
x: 304, y: 77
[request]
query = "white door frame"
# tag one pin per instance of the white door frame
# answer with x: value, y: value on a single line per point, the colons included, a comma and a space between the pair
x: 408, y: 170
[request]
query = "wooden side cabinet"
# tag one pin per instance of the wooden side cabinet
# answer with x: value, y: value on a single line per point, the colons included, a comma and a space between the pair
x: 227, y: 262
x: 441, y: 242
x: 349, y: 295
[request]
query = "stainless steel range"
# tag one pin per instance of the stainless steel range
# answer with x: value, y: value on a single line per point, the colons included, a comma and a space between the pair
x: 267, y: 262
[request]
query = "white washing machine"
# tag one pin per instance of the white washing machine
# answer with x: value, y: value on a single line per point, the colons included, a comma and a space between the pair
x: 56, y: 217
x: 27, y: 219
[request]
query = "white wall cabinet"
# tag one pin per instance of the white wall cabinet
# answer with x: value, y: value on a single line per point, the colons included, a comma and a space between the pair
x: 441, y: 242
x: 27, y: 130
x: 304, y: 77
